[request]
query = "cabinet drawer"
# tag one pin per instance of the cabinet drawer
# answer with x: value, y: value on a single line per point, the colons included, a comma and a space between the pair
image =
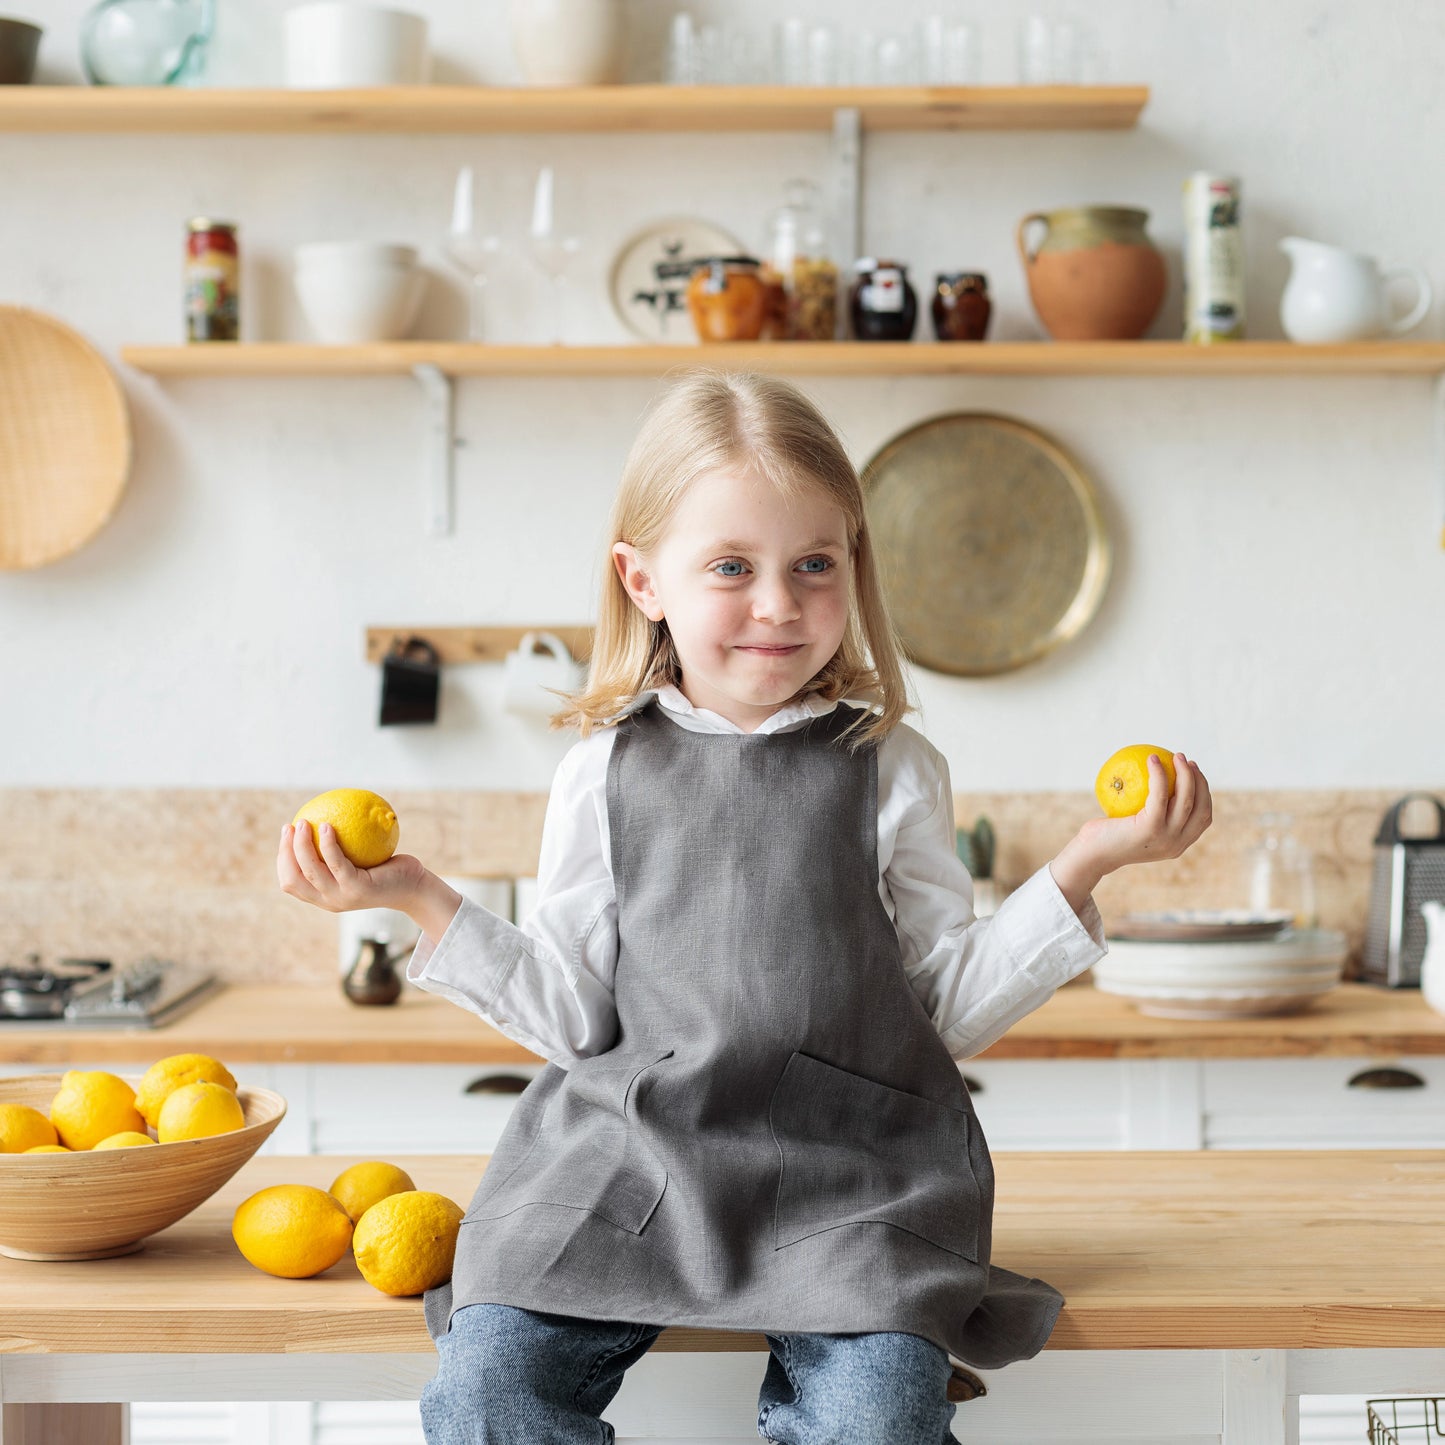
x: 1049, y: 1103
x: 1324, y: 1103
x: 411, y: 1108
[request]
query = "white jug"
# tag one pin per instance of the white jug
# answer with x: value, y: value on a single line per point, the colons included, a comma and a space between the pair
x: 1432, y: 966
x: 1338, y: 295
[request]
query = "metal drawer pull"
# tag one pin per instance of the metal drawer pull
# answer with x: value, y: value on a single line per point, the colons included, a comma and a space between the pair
x: 497, y: 1084
x: 1387, y: 1079
x: 972, y: 1085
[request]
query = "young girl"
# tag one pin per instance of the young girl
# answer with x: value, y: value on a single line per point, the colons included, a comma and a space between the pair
x: 752, y: 964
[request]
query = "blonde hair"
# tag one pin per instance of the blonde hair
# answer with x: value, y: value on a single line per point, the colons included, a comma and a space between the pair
x: 710, y: 421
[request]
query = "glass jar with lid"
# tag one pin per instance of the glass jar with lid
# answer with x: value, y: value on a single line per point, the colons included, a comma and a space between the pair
x: 1281, y: 872
x: 801, y: 277
x: 727, y: 299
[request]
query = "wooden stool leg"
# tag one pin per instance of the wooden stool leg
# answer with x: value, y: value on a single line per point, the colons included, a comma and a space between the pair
x: 65, y: 1425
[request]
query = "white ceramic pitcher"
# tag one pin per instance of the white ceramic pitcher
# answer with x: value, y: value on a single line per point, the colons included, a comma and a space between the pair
x: 1432, y: 966
x: 1338, y: 295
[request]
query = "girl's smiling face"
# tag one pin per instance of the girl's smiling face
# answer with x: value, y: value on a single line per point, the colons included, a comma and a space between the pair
x: 754, y: 587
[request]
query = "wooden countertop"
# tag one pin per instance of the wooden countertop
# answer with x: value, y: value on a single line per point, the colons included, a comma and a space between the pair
x: 318, y: 1025
x: 1152, y: 1250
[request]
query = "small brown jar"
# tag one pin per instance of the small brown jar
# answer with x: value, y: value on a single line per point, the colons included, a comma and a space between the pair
x: 727, y: 299
x: 961, y: 307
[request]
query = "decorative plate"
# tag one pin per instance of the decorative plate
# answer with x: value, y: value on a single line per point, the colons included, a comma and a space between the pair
x: 648, y: 280
x: 990, y: 541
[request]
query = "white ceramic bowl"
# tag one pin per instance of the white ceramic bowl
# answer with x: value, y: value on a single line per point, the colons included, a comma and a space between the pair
x: 336, y: 44
x: 352, y: 295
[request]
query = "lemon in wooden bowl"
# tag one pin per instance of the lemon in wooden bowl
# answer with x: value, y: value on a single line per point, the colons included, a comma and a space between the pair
x: 93, y: 1204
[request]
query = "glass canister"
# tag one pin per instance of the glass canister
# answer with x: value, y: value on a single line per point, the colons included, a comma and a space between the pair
x: 727, y: 299
x: 883, y: 305
x: 1281, y: 872
x: 212, y: 275
x: 961, y: 306
x: 801, y: 277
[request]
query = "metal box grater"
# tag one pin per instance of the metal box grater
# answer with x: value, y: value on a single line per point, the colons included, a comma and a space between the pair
x: 1408, y: 872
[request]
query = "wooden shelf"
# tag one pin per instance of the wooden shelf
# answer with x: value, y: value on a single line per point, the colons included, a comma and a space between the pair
x: 515, y: 109
x: 839, y: 358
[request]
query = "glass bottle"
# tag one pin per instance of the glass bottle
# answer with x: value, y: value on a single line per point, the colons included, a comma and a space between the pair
x: 1281, y: 872
x: 801, y: 277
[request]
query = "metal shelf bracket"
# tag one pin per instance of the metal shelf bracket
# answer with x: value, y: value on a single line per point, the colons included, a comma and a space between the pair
x: 442, y: 442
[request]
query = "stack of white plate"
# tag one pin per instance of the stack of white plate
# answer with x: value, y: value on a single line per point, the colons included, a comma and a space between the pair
x: 1219, y: 964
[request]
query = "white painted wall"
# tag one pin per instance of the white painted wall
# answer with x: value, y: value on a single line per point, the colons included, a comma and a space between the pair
x: 1279, y: 583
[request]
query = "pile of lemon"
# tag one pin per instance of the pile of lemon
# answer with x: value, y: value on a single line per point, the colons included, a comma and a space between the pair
x: 185, y: 1096
x: 403, y: 1238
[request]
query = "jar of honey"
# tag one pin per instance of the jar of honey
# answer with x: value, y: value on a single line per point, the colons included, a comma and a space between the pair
x: 961, y: 307
x: 727, y: 299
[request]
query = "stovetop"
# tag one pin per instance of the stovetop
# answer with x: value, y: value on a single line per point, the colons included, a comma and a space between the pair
x: 93, y: 992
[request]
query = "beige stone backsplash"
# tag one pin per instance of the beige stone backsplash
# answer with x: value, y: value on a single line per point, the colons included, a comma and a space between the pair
x: 190, y: 873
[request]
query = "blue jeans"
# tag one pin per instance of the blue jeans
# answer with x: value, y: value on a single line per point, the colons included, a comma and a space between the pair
x: 510, y: 1376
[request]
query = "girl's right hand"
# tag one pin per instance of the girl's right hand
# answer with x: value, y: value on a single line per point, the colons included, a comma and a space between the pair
x: 331, y: 881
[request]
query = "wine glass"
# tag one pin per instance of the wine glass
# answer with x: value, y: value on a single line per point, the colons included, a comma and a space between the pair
x: 471, y: 251
x: 551, y: 251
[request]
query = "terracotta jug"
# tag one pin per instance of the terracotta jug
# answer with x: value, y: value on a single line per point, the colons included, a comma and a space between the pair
x: 1095, y: 276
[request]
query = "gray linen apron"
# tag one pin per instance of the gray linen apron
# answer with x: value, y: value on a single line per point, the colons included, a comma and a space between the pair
x: 779, y: 1140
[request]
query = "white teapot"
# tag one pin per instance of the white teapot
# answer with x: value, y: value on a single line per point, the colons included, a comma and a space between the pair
x: 1338, y: 295
x: 1432, y: 966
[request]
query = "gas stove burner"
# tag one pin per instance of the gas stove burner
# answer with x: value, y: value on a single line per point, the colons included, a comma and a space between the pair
x: 92, y: 991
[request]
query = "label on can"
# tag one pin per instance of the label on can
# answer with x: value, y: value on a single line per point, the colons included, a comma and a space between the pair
x: 884, y: 290
x: 1213, y: 260
x: 212, y: 283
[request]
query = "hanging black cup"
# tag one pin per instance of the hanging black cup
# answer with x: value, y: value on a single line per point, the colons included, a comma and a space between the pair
x: 410, y: 680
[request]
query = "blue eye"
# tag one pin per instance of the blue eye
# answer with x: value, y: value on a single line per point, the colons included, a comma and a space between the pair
x: 827, y: 564
x: 731, y: 563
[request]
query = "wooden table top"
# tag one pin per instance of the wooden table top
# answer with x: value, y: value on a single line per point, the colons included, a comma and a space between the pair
x: 317, y: 1024
x: 1152, y: 1250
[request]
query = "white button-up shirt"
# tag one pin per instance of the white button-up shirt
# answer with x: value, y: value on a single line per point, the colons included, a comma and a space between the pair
x: 548, y: 983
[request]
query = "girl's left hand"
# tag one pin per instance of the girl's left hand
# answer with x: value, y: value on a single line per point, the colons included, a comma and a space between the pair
x: 1163, y: 828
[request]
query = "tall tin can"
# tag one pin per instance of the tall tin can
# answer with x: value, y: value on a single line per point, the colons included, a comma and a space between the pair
x: 1213, y: 260
x: 212, y: 275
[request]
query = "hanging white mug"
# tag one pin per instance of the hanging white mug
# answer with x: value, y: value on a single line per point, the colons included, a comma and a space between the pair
x: 528, y: 673
x: 1338, y: 295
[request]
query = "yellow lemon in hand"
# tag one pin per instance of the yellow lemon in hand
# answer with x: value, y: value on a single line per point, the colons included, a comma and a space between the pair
x: 358, y: 1188
x: 91, y: 1105
x: 291, y: 1230
x: 405, y: 1244
x: 1122, y: 786
x: 365, y: 824
x: 165, y: 1076
x: 127, y: 1139
x: 23, y: 1128
x: 197, y: 1111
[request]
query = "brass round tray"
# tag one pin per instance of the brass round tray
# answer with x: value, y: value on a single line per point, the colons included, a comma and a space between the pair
x: 990, y: 542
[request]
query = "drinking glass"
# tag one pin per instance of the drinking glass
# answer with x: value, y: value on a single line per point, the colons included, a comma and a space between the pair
x: 471, y: 251
x: 550, y: 247
x: 1281, y: 872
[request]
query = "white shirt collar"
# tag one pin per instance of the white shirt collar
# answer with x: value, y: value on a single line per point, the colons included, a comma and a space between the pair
x: 704, y: 720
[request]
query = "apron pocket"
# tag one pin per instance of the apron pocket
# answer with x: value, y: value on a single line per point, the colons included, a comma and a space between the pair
x: 586, y: 1153
x: 854, y: 1151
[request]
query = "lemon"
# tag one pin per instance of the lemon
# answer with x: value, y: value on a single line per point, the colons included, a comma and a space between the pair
x: 291, y: 1230
x: 358, y: 1188
x: 47, y: 1149
x: 404, y: 1244
x: 1122, y: 786
x: 91, y: 1106
x: 166, y: 1075
x: 196, y: 1111
x: 126, y: 1139
x: 23, y: 1128
x: 365, y: 824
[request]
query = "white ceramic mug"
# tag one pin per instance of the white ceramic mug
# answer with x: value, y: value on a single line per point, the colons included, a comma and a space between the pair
x: 568, y: 42
x: 527, y: 673
x: 335, y: 44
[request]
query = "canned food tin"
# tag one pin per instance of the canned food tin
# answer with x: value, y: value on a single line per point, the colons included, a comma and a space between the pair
x: 1213, y: 260
x: 212, y: 295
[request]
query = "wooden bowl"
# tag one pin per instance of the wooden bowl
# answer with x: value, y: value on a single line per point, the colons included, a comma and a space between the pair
x: 90, y: 1205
